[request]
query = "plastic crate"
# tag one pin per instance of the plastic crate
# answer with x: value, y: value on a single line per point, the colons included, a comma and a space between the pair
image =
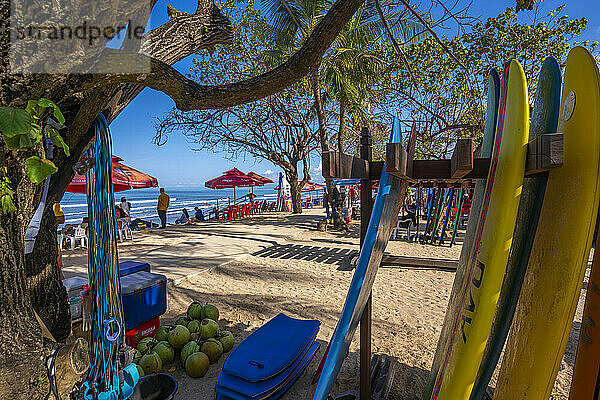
x: 144, y: 297
x: 129, y: 267
x: 133, y: 336
x: 74, y: 285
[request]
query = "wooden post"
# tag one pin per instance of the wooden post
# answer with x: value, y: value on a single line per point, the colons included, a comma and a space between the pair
x: 366, y: 207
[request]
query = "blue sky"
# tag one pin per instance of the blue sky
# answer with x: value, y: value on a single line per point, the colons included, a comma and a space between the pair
x: 176, y: 164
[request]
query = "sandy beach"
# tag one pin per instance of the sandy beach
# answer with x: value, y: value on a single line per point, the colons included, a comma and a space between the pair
x: 255, y: 268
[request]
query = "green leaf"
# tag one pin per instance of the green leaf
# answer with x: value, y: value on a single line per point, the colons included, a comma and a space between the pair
x: 14, y: 121
x: 58, y: 140
x: 6, y: 203
x: 36, y: 133
x: 44, y: 103
x: 18, y: 142
x: 37, y: 169
x: 58, y: 115
x: 32, y: 108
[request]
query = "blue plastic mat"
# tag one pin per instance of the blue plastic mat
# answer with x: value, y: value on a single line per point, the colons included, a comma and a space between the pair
x: 271, y: 348
x: 262, y: 388
x: 285, y: 381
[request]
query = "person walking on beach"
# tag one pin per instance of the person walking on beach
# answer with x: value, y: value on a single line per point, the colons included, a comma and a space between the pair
x: 163, y: 204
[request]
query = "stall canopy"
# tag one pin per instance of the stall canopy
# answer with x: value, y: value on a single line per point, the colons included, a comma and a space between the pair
x: 123, y: 177
x: 309, y: 187
x: 258, y: 177
x: 232, y: 179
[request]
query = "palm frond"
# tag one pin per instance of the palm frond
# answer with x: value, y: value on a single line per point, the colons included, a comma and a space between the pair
x: 286, y: 17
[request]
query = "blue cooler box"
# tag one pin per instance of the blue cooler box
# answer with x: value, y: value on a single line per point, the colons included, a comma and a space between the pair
x: 129, y: 267
x: 144, y: 297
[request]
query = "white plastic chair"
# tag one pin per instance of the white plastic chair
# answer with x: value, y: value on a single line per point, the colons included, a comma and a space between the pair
x: 125, y: 232
x: 399, y: 222
x: 79, y: 234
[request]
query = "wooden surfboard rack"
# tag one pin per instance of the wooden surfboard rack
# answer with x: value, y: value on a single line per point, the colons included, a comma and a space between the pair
x: 544, y: 153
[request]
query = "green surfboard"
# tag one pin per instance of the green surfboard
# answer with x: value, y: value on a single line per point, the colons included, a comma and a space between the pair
x: 544, y: 119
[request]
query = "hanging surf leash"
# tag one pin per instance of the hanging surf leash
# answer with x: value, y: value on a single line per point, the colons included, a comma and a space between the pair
x: 51, y: 373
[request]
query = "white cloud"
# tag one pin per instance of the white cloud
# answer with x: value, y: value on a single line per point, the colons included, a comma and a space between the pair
x: 318, y: 169
x: 269, y: 172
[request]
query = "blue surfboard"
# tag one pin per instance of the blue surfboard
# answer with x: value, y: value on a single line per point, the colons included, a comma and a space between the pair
x: 224, y: 393
x: 390, y: 196
x: 448, y: 207
x: 271, y: 348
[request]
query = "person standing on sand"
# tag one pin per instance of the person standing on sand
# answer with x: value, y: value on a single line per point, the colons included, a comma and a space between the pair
x: 163, y: 204
x: 125, y: 208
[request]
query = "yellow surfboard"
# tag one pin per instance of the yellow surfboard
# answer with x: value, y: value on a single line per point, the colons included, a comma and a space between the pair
x: 487, y: 263
x: 561, y: 247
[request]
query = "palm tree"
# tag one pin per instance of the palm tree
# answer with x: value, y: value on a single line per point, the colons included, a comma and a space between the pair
x: 351, y: 67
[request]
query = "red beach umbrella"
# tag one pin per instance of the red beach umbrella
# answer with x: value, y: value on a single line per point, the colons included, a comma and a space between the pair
x: 310, y: 186
x: 124, y: 178
x: 232, y: 179
x: 258, y: 177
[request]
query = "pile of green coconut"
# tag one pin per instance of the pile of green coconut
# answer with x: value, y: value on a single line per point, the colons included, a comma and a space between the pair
x: 196, y: 337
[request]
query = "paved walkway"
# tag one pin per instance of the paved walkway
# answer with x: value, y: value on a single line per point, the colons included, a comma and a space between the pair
x: 186, y: 250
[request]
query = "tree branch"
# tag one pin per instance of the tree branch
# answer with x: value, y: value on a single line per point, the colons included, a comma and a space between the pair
x: 395, y: 44
x: 189, y: 95
x: 446, y: 49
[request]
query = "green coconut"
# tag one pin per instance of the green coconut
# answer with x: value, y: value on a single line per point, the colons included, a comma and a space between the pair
x: 191, y: 347
x: 162, y: 333
x: 151, y: 363
x: 165, y: 352
x: 227, y: 341
x: 213, y: 349
x: 194, y: 326
x: 208, y: 328
x: 146, y: 345
x: 194, y: 311
x: 140, y: 371
x: 197, y: 364
x: 210, y: 311
x: 179, y: 336
x: 183, y: 320
x: 137, y: 357
x: 136, y: 338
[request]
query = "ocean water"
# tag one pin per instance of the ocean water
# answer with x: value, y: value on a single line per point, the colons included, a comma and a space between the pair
x: 143, y: 201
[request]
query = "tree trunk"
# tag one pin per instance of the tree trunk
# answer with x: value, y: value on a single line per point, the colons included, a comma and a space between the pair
x: 21, y: 355
x: 340, y: 143
x: 47, y: 293
x: 315, y: 82
x: 292, y: 178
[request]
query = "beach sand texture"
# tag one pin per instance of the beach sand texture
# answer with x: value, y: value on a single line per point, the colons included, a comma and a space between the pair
x: 272, y: 263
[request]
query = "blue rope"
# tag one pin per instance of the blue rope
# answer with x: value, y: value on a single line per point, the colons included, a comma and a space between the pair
x: 108, y: 332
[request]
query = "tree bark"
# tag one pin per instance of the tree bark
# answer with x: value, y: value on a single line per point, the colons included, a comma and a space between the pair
x: 46, y: 291
x: 21, y: 358
x: 292, y: 177
x: 315, y: 83
x: 340, y: 143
